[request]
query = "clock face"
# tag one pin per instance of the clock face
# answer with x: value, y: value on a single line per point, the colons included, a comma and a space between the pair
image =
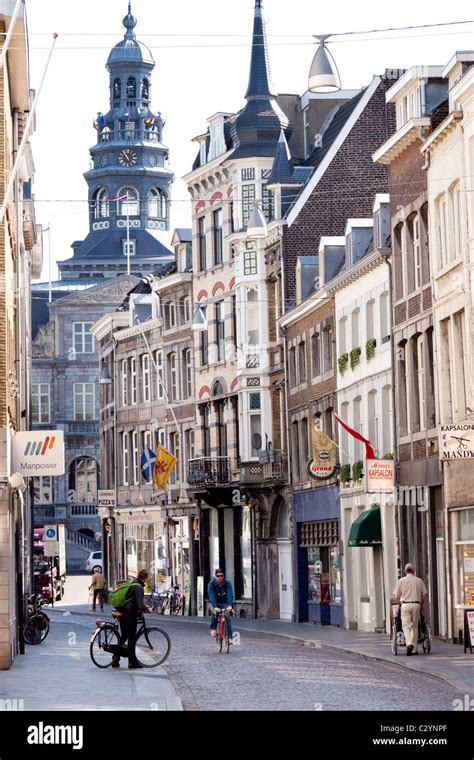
x: 127, y: 157
x: 103, y: 161
x: 153, y: 160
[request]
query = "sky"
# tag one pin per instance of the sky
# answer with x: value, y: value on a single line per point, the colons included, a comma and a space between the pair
x: 202, y: 54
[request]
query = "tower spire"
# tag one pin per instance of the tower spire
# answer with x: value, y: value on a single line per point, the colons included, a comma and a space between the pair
x: 129, y: 22
x: 260, y: 78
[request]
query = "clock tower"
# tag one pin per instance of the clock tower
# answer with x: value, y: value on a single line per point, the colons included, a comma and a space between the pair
x: 129, y: 180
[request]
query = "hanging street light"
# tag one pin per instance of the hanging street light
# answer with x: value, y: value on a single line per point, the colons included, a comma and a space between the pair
x: 257, y: 226
x: 200, y: 321
x: 323, y: 74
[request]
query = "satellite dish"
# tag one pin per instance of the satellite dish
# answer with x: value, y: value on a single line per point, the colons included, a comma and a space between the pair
x: 257, y: 441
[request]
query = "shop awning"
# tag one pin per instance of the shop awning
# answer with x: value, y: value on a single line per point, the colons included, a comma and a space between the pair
x: 367, y: 529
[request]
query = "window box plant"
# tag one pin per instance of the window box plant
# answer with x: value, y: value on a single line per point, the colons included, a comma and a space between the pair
x: 342, y: 362
x: 370, y: 349
x: 355, y: 356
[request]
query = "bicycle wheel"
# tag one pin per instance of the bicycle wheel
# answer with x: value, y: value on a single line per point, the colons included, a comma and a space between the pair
x: 153, y: 647
x: 225, y: 631
x: 36, y: 629
x: 101, y: 640
x: 219, y: 635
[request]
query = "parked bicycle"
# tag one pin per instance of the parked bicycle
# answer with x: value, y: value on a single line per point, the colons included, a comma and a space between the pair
x: 167, y: 600
x: 152, y: 644
x: 36, y: 627
x: 222, y: 633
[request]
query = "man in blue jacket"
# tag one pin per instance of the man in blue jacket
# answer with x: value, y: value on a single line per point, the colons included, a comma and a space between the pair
x: 221, y: 596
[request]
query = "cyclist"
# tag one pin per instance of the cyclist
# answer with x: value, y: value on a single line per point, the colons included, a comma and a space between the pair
x: 221, y: 596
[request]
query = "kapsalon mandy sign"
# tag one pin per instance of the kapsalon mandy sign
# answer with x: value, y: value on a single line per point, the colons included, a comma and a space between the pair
x: 38, y: 452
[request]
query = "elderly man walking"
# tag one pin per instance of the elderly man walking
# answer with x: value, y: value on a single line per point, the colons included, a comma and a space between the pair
x: 411, y: 593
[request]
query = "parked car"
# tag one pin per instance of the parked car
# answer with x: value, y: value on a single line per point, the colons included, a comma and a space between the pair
x: 94, y: 561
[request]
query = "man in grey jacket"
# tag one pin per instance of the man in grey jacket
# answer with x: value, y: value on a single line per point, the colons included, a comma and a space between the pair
x: 133, y: 609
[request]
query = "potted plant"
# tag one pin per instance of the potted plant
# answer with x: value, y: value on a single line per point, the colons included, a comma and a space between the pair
x: 355, y: 356
x: 342, y: 362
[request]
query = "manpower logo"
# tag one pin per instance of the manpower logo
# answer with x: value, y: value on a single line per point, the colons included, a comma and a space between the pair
x: 38, y: 452
x: 39, y: 448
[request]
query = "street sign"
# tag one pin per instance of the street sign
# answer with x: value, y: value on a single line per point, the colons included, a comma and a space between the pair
x: 106, y: 498
x: 51, y: 548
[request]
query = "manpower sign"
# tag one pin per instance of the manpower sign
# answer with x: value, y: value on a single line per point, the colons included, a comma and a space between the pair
x: 38, y: 452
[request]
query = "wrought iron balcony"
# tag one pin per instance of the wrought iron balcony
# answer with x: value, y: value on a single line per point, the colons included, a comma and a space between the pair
x: 209, y: 471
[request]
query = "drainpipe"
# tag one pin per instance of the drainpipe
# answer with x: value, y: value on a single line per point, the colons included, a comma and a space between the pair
x: 386, y: 256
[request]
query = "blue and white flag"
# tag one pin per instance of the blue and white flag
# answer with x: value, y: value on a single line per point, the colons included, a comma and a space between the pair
x: 147, y: 464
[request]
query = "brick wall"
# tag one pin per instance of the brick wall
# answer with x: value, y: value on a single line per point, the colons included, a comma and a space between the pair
x: 347, y: 188
x: 407, y: 179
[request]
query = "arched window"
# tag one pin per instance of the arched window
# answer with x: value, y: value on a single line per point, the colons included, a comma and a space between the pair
x: 131, y: 88
x: 117, y: 91
x: 83, y: 481
x: 101, y: 204
x: 130, y: 204
x: 145, y: 90
x: 156, y: 203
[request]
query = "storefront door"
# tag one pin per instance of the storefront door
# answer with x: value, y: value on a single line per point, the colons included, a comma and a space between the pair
x: 285, y: 564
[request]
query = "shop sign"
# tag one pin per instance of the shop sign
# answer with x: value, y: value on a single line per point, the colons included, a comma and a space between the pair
x: 469, y: 564
x: 456, y: 441
x: 38, y: 453
x: 322, y: 465
x: 106, y: 498
x: 379, y: 476
x: 134, y: 519
x: 200, y: 596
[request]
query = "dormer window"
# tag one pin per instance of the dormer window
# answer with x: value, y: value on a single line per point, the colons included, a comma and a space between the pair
x: 142, y: 308
x: 129, y: 247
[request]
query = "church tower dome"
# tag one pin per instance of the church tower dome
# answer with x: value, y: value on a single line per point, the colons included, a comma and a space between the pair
x: 130, y: 179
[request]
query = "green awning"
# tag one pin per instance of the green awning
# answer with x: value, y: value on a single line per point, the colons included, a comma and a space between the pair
x: 366, y: 530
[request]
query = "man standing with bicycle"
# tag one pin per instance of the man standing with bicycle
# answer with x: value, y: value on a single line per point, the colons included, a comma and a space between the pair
x: 133, y: 608
x: 221, y: 596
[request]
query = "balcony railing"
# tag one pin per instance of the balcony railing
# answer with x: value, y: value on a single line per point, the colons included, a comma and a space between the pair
x: 271, y: 465
x: 209, y: 471
x: 81, y: 510
x: 82, y: 428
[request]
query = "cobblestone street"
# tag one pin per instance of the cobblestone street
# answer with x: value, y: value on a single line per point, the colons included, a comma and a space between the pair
x: 269, y: 673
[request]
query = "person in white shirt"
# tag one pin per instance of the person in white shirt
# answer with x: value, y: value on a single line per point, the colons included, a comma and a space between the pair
x: 411, y: 593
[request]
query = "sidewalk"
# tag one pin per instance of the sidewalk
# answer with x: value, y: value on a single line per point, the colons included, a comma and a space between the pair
x: 58, y: 674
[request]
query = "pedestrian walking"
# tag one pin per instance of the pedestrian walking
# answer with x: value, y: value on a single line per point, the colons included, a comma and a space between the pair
x: 97, y: 587
x: 411, y: 593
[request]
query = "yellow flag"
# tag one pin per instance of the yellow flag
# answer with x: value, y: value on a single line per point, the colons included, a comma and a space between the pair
x: 164, y: 466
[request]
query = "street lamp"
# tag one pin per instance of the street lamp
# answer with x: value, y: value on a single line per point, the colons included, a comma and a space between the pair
x: 323, y: 74
x: 105, y: 378
x: 257, y: 226
x: 200, y: 321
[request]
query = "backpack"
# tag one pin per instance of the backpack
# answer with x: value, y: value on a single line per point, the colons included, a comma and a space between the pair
x: 119, y: 596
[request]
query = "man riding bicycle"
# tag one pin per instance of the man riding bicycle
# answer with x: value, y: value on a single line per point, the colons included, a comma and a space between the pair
x: 221, y: 597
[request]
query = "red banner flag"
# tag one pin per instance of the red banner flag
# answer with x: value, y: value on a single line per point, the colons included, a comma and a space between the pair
x: 369, y: 452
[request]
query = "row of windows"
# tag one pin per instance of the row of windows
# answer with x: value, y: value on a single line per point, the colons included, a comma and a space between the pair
x: 171, y: 380
x: 134, y: 443
x: 371, y: 417
x: 174, y: 318
x: 411, y: 257
x: 128, y: 203
x: 83, y: 399
x: 321, y: 357
x: 220, y: 336
x: 377, y: 324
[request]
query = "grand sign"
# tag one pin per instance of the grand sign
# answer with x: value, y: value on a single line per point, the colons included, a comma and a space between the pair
x: 324, y: 459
